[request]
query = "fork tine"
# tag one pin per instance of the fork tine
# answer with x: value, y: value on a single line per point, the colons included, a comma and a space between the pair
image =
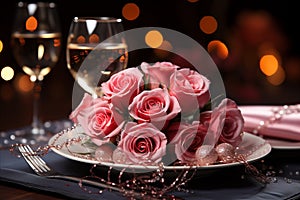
x: 27, y: 159
x: 37, y: 159
x: 42, y: 169
x: 30, y: 158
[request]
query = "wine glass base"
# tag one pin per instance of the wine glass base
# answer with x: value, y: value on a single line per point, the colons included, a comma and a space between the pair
x: 38, y: 131
x: 34, y: 137
x: 22, y: 137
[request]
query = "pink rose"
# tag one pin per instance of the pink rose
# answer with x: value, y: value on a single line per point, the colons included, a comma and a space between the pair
x: 225, y: 123
x: 172, y: 132
x: 79, y: 113
x: 159, y: 73
x: 213, y: 125
x: 188, y: 140
x: 122, y: 87
x: 142, y: 143
x: 191, y: 90
x: 174, y: 129
x: 233, y: 123
x: 205, y: 117
x: 96, y: 118
x: 155, y: 106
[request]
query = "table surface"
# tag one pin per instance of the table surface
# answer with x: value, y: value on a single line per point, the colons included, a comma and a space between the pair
x: 14, y: 192
x: 286, y: 163
x: 10, y: 191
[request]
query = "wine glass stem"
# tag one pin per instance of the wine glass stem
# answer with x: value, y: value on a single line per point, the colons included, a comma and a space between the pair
x: 36, y: 127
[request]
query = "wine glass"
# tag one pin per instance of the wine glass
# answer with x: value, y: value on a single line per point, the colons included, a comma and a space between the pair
x: 36, y: 46
x: 96, y: 49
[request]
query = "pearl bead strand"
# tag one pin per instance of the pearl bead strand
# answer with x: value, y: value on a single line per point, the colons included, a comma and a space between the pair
x: 277, y: 114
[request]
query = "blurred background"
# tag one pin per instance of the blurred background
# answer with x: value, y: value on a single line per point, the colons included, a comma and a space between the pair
x: 255, y: 45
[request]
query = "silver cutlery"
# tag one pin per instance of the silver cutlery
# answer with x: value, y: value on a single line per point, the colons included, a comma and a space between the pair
x: 41, y: 168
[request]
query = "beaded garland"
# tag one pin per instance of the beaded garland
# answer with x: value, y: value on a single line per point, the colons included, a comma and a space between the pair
x: 153, y: 184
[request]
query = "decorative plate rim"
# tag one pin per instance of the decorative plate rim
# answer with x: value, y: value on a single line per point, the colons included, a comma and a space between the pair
x: 260, y: 148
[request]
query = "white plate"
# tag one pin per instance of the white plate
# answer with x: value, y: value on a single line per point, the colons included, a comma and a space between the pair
x: 283, y: 144
x: 253, y: 146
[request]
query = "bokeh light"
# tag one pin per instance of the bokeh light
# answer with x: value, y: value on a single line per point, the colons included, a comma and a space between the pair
x: 94, y: 38
x: 56, y: 42
x: 154, y: 39
x: 208, y: 24
x: 1, y: 46
x: 166, y: 46
x: 130, y: 11
x: 80, y: 39
x: 23, y: 83
x: 268, y: 64
x: 31, y: 24
x: 41, y: 51
x: 278, y: 77
x: 7, y: 73
x: 218, y: 48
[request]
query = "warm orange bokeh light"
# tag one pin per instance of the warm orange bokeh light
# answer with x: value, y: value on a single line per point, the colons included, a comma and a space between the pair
x: 31, y: 24
x: 81, y: 39
x: 154, y: 39
x: 1, y: 46
x: 208, y: 24
x: 268, y: 64
x: 56, y: 42
x: 94, y: 38
x: 130, y: 11
x: 166, y: 46
x: 24, y: 84
x: 193, y: 1
x: 278, y: 77
x: 218, y: 48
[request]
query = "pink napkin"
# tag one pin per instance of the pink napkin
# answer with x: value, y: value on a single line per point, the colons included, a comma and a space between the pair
x: 282, y: 122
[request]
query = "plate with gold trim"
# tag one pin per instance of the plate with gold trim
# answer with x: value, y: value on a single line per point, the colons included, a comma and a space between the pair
x: 252, y: 146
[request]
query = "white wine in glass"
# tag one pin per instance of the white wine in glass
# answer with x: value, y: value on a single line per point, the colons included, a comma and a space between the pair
x: 96, y: 49
x: 36, y: 46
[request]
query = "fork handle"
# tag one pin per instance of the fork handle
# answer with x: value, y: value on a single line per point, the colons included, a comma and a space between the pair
x: 102, y: 185
x: 89, y: 182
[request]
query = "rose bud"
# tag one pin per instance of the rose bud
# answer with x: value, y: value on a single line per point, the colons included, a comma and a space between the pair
x: 206, y: 155
x: 225, y: 152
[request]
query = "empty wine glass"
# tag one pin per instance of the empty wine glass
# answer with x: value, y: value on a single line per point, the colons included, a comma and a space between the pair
x: 96, y: 49
x: 36, y: 46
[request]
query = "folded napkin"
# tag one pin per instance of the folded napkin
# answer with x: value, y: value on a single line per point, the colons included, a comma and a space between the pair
x: 282, y: 122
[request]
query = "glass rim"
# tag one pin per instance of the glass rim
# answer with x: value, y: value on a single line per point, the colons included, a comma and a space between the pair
x: 98, y: 19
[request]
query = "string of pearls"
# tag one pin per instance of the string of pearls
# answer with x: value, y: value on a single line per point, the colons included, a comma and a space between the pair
x: 277, y: 114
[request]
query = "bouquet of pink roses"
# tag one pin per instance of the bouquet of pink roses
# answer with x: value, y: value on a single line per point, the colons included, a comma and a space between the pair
x: 159, y: 112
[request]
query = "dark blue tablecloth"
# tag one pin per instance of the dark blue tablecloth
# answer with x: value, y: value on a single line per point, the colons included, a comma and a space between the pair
x: 226, y: 183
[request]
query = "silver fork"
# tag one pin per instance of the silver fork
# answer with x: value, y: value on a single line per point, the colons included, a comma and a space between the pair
x: 41, y: 168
